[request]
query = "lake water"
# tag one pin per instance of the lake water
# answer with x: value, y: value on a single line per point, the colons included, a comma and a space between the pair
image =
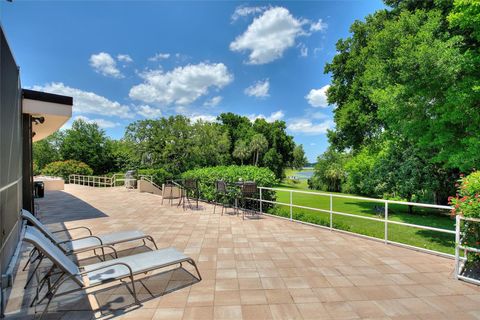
x: 303, y: 174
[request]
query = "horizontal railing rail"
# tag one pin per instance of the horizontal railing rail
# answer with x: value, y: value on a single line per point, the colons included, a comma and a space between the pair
x: 385, y: 210
x: 102, y: 181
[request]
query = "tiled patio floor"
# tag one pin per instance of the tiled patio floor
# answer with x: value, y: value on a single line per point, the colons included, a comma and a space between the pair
x: 263, y: 268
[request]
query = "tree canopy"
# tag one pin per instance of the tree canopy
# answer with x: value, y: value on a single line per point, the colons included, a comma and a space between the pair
x: 406, y: 89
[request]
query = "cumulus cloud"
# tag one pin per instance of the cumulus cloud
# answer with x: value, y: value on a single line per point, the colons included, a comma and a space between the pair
x: 259, y: 89
x: 317, y: 98
x: 182, y: 85
x: 213, y: 102
x: 243, y: 11
x: 124, y: 58
x: 102, y: 123
x: 159, y: 56
x: 303, y: 50
x: 318, y: 26
x: 104, y: 64
x: 306, y: 126
x: 85, y: 102
x: 148, y: 111
x: 274, y: 116
x: 270, y: 34
x: 202, y: 117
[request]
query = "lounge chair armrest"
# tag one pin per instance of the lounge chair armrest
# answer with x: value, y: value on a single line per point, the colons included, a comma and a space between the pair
x: 69, y: 240
x: 108, y: 266
x: 97, y: 247
x: 75, y: 228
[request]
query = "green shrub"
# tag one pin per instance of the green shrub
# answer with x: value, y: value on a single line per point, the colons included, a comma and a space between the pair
x: 264, y: 177
x: 159, y: 176
x: 65, y: 168
x: 467, y: 204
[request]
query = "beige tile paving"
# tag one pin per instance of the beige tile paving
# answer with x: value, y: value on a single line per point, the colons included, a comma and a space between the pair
x: 263, y: 268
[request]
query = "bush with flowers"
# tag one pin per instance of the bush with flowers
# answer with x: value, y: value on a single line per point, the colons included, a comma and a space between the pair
x: 467, y: 204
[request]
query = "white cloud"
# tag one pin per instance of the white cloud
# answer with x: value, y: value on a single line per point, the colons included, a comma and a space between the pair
x: 102, y: 123
x: 203, y: 117
x: 306, y: 126
x: 270, y: 34
x: 318, y: 97
x: 259, y: 89
x: 274, y: 116
x: 104, y: 64
x: 243, y: 11
x: 182, y: 85
x: 159, y: 56
x: 213, y: 102
x: 318, y: 26
x: 303, y: 50
x: 149, y: 112
x: 124, y: 58
x: 85, y: 102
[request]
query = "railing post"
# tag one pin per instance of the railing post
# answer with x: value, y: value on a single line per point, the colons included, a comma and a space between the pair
x: 291, y: 205
x: 261, y: 207
x: 331, y: 211
x: 386, y: 222
x: 457, y: 245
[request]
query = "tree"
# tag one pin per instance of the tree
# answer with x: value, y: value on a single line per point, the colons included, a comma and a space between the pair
x: 258, y: 145
x: 329, y: 173
x: 242, y: 151
x: 87, y: 143
x: 408, y: 75
x: 47, y: 150
x: 299, y: 158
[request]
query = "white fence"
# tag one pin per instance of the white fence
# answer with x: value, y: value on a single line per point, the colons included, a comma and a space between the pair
x: 385, y: 220
x: 115, y: 180
x: 460, y: 246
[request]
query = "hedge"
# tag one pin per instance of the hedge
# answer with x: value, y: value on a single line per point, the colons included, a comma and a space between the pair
x: 65, y: 168
x: 206, y: 177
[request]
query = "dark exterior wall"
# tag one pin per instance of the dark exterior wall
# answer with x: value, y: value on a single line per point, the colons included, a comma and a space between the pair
x: 10, y: 154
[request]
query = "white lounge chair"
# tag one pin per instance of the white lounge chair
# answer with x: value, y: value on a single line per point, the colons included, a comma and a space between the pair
x: 82, y: 244
x: 97, y: 274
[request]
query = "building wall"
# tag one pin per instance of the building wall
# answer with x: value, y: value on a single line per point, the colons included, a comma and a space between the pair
x: 10, y: 154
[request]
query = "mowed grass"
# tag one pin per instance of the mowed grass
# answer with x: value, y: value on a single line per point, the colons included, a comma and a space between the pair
x: 432, y: 240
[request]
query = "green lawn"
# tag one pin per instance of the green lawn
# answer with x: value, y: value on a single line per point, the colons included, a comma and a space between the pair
x: 432, y: 240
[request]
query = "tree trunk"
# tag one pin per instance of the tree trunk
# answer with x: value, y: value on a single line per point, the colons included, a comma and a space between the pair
x: 256, y: 158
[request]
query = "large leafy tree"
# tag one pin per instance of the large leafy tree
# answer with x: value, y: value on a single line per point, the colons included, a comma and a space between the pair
x: 407, y: 74
x: 329, y: 174
x: 47, y: 150
x: 87, y: 143
x: 299, y: 158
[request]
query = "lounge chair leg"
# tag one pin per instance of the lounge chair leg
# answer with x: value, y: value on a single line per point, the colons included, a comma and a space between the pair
x: 134, y: 290
x: 30, y: 255
x: 196, y: 269
x: 153, y: 241
x: 34, y: 271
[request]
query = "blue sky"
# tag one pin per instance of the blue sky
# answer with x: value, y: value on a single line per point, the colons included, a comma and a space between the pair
x: 124, y: 61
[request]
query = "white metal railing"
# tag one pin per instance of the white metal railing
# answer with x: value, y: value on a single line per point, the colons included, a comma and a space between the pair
x: 92, y: 181
x: 150, y: 179
x: 102, y: 181
x: 385, y: 220
x: 459, y: 246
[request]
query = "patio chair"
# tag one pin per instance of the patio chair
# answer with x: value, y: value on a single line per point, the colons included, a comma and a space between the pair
x: 190, y: 187
x: 96, y: 274
x: 248, y: 190
x: 222, y: 194
x: 82, y: 244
